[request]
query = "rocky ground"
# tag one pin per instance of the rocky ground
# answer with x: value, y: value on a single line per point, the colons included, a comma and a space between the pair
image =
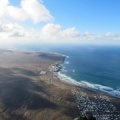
x: 25, y: 94
x: 30, y: 91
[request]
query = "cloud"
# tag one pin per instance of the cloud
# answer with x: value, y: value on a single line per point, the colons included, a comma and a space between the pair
x: 55, y: 32
x: 90, y: 36
x: 48, y: 33
x: 113, y: 36
x: 29, y: 9
x: 12, y: 30
x: 35, y: 11
x: 71, y: 33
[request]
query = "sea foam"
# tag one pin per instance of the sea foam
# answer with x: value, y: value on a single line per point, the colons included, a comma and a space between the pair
x: 67, y: 62
x: 105, y: 89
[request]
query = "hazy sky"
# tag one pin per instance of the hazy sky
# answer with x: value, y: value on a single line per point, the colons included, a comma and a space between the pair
x: 60, y: 21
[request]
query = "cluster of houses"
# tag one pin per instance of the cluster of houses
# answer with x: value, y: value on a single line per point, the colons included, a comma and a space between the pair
x: 101, y: 108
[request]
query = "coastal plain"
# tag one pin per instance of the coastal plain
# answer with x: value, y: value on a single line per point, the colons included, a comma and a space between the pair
x: 29, y: 89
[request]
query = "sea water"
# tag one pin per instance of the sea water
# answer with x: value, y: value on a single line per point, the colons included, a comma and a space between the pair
x: 95, y: 67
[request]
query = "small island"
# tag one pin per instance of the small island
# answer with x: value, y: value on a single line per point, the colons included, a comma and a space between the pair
x: 31, y: 90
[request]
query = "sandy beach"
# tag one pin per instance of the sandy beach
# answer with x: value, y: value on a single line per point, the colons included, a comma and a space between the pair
x: 29, y: 89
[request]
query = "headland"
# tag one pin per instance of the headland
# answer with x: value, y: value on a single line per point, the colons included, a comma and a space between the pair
x: 30, y: 90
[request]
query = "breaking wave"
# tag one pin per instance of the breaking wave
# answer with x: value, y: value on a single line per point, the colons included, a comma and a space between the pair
x: 97, y: 87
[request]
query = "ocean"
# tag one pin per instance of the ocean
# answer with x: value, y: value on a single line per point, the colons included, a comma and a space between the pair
x: 94, y: 67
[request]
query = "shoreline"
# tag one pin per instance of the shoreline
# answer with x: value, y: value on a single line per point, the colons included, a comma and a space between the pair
x: 29, y: 91
x: 86, y: 85
x: 37, y: 93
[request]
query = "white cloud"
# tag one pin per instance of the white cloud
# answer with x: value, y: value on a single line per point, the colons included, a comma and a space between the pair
x: 90, y: 36
x: 113, y: 36
x: 29, y: 9
x: 71, y: 33
x: 12, y: 31
x: 54, y: 32
x: 50, y: 32
x: 35, y: 11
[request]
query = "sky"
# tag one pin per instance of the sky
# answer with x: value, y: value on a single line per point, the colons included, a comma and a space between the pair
x: 60, y: 21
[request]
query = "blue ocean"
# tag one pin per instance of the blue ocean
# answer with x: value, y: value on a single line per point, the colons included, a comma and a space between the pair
x: 95, y: 67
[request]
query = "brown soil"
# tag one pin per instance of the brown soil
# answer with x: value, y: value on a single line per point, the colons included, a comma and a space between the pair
x: 27, y: 95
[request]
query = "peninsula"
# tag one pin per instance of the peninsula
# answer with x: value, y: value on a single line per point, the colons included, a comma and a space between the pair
x: 29, y: 89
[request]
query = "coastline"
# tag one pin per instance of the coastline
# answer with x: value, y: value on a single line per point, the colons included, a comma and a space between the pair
x: 30, y: 91
x: 59, y: 66
x: 90, y: 92
x: 93, y: 87
x: 37, y: 92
